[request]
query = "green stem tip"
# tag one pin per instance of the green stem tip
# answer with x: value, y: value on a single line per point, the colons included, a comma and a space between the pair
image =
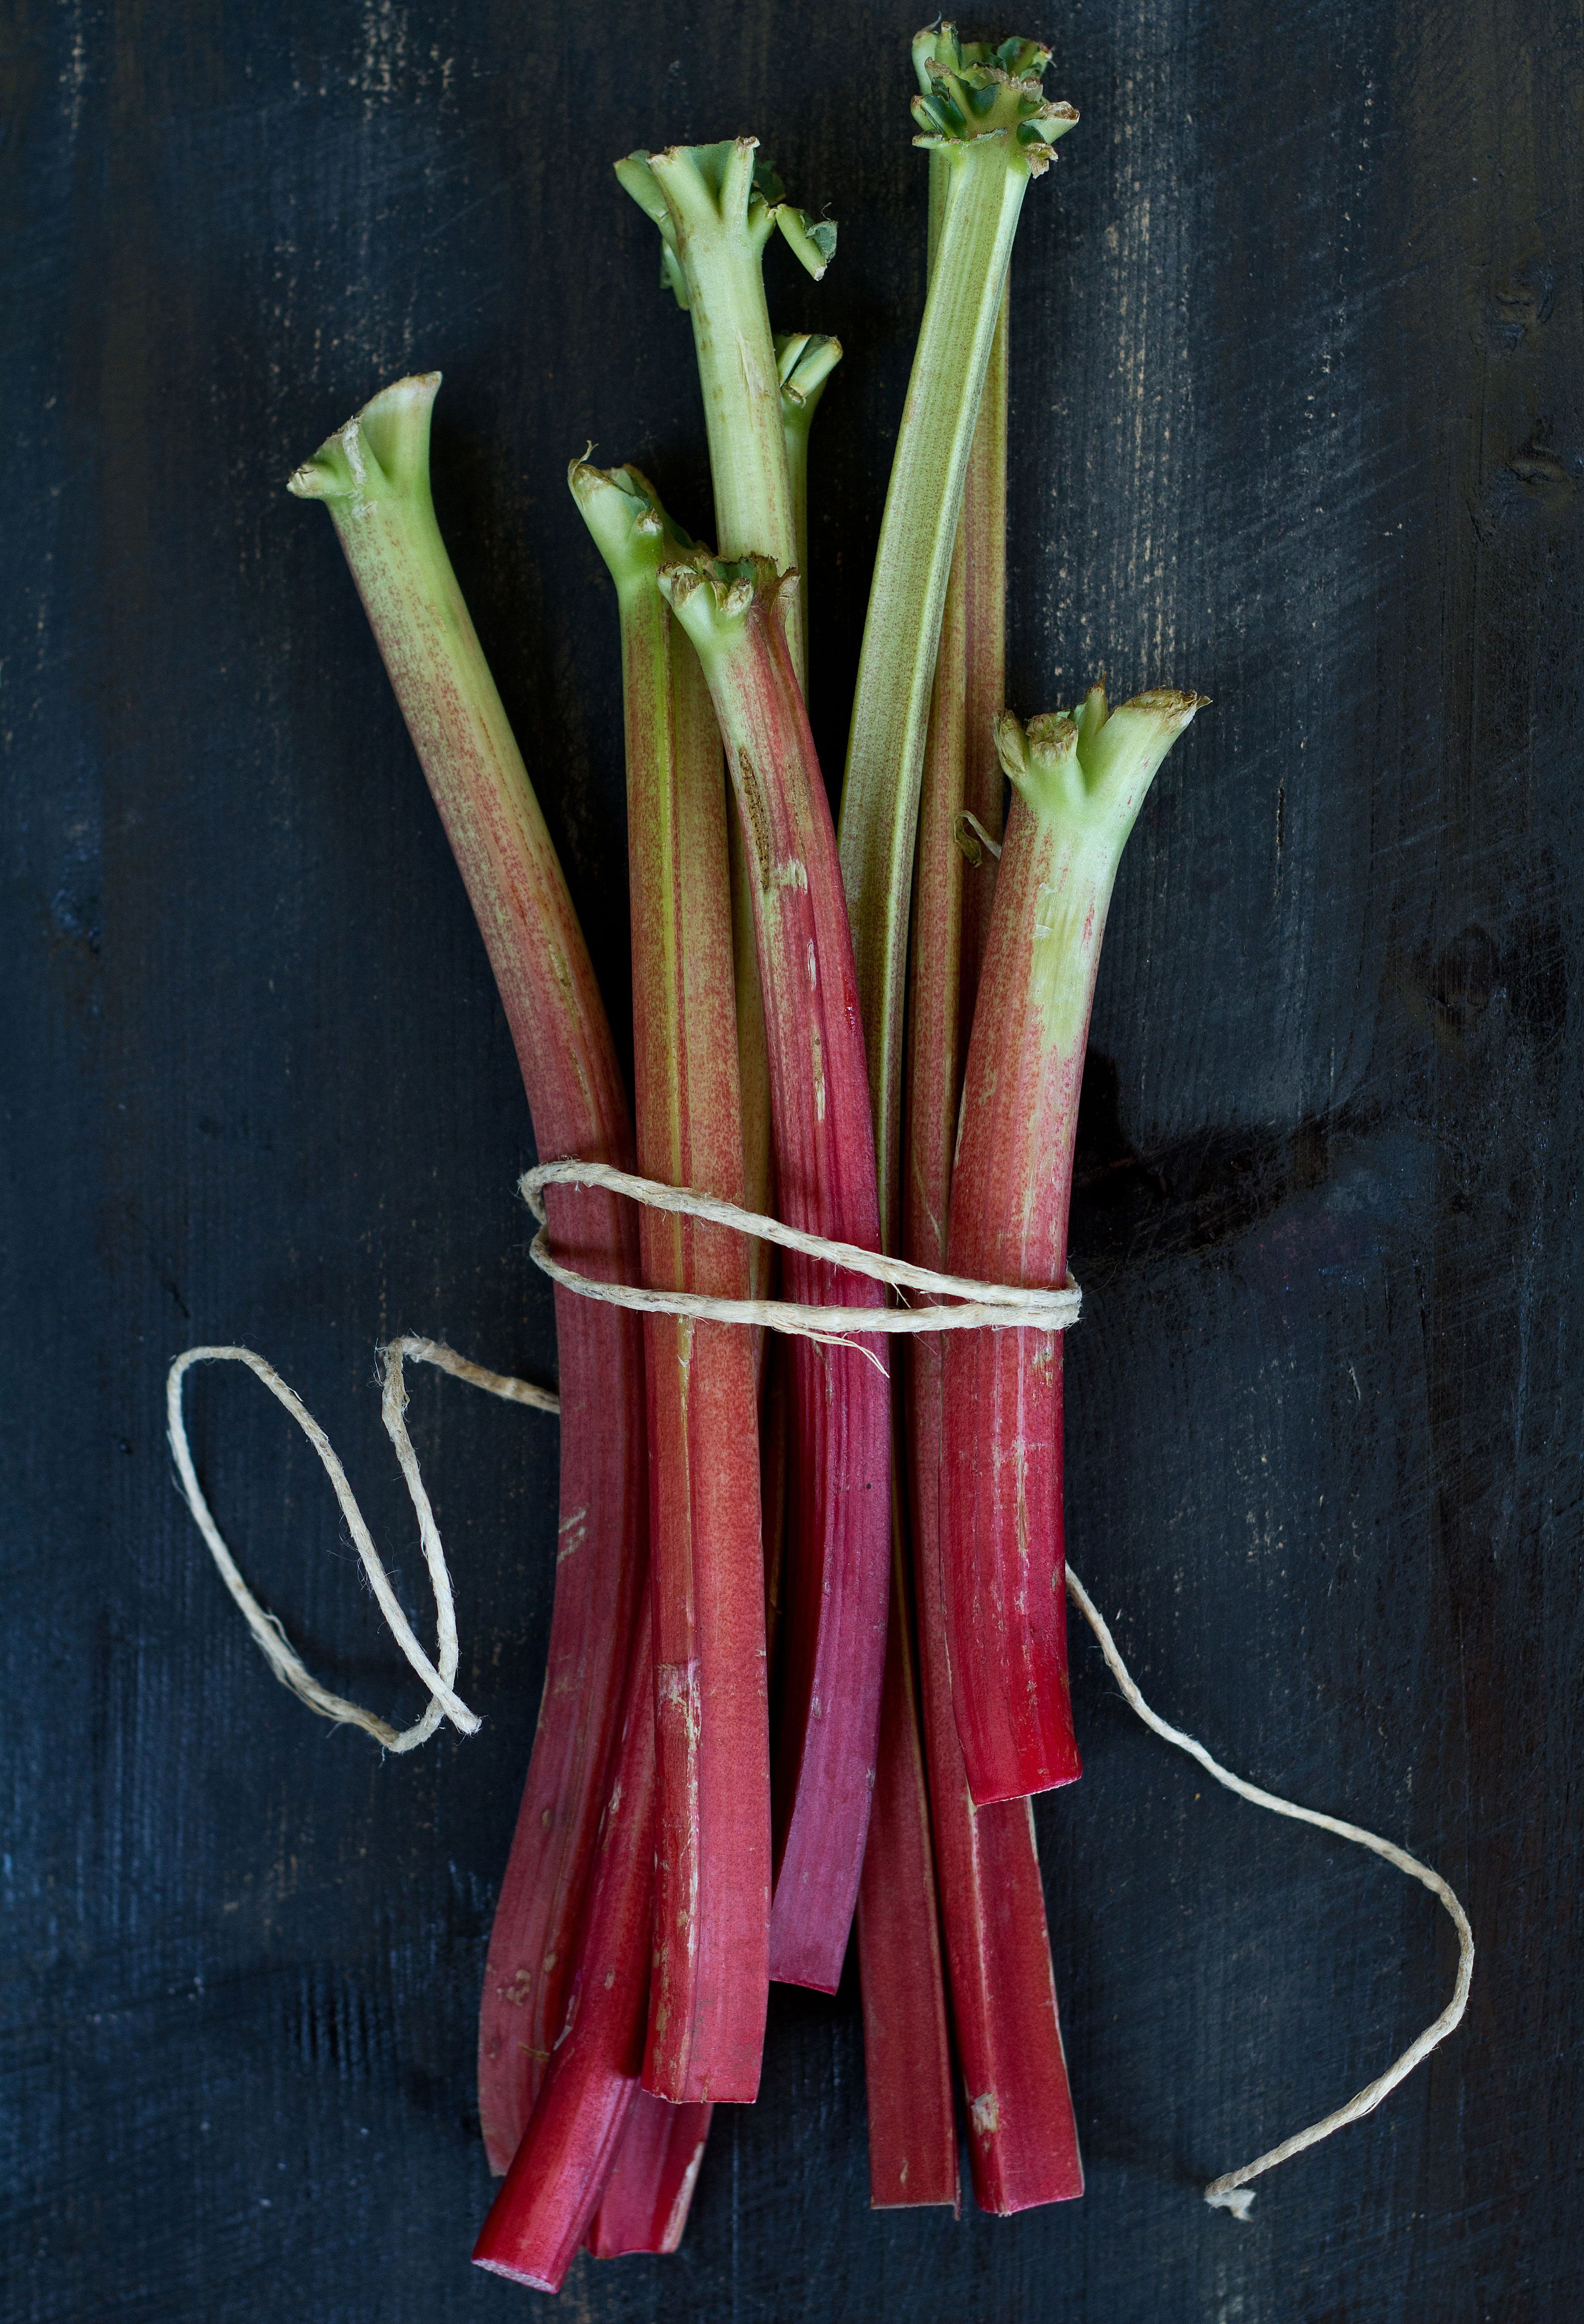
x: 689, y: 188
x: 1090, y: 768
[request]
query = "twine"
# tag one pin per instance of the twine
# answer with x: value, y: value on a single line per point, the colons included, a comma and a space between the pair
x: 1231, y: 2191
x: 270, y: 1636
x: 983, y: 1305
x: 976, y: 1305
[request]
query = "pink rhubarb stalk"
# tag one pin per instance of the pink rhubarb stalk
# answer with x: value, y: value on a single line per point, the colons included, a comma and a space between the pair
x: 1078, y: 783
x: 834, y: 1650
x: 906, y: 2043
x: 373, y: 476
x: 569, y: 2149
x: 650, y: 2190
x: 710, y: 1984
x: 1022, y: 2136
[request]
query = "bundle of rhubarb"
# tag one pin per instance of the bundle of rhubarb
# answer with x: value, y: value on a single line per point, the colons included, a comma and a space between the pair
x: 807, y: 1658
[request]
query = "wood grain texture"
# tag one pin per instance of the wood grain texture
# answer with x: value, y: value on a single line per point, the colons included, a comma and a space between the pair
x: 1296, y: 421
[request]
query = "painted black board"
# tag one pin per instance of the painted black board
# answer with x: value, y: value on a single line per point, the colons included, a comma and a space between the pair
x: 1299, y: 347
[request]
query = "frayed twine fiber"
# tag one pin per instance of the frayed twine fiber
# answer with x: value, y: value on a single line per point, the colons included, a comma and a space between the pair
x: 995, y: 1305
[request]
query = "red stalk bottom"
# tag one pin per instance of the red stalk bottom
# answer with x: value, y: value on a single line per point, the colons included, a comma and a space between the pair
x: 650, y: 2192
x: 1022, y: 2138
x: 559, y: 2172
x: 907, y: 2049
x: 1022, y: 2135
x: 1005, y: 1545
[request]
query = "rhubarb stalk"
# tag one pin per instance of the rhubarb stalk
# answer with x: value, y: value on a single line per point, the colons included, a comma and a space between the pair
x: 833, y: 1651
x: 1078, y: 782
x: 994, y: 132
x: 907, y: 2063
x: 373, y: 476
x: 576, y: 2128
x: 1022, y: 2136
x: 710, y: 1981
x: 906, y: 2043
x: 650, y: 2190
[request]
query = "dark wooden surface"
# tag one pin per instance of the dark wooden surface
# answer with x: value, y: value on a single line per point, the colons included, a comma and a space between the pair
x: 1298, y: 353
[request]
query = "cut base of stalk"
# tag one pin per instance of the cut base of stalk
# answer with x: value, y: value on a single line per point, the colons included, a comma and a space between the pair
x: 650, y: 2192
x: 558, y: 2174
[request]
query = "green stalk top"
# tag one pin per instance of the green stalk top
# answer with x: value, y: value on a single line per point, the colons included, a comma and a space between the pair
x: 692, y: 188
x: 630, y: 528
x: 383, y: 452
x: 713, y: 596
x: 973, y: 89
x: 716, y: 208
x: 989, y: 132
x: 1082, y: 774
x: 1089, y: 769
x: 939, y: 48
x: 805, y: 361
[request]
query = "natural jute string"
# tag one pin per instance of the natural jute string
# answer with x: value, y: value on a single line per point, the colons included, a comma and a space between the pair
x: 1231, y: 2191
x: 273, y: 1643
x: 992, y: 1304
x: 976, y: 1304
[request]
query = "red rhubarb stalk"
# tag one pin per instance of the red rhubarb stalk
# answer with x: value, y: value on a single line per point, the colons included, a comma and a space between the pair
x: 906, y: 2046
x: 579, y: 2118
x: 1078, y: 783
x: 1022, y: 2137
x: 650, y: 2190
x: 833, y: 1651
x: 907, y: 2062
x: 707, y: 1563
x: 373, y: 475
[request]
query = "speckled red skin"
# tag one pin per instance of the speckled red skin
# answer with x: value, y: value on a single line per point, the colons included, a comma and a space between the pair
x: 710, y: 1986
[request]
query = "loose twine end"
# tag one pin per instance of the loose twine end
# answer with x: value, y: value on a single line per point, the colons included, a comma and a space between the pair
x: 1239, y: 2200
x: 975, y: 1305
